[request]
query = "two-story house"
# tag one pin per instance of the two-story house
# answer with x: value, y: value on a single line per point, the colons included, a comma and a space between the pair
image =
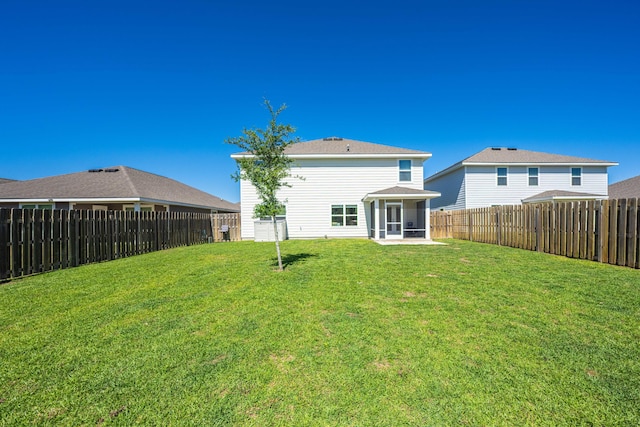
x: 348, y: 188
x: 510, y: 176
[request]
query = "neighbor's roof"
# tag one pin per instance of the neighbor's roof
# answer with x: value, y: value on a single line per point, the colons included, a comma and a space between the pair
x: 560, y: 195
x: 6, y: 180
x: 514, y: 156
x: 627, y: 189
x: 333, y: 147
x: 114, y: 183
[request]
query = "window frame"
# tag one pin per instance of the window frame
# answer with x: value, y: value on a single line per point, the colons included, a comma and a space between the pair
x: 344, y: 218
x: 279, y: 216
x: 505, y: 177
x: 146, y: 207
x: 42, y: 206
x: 405, y: 170
x: 536, y: 176
x: 572, y: 177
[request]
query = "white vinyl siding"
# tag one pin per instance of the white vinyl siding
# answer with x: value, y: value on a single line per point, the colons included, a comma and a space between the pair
x: 329, y: 182
x: 481, y: 189
x: 452, y: 189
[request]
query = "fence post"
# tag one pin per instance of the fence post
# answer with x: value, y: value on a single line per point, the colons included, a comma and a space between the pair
x: 5, y: 253
x: 632, y: 232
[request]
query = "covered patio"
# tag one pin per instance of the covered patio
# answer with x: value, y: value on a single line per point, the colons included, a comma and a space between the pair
x: 399, y: 213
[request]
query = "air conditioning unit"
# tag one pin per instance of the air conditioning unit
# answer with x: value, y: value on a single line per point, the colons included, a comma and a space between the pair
x: 263, y: 230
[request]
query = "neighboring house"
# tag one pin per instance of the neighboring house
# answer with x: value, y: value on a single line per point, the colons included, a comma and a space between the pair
x: 5, y: 180
x: 348, y: 188
x: 627, y: 189
x: 114, y: 188
x: 509, y: 176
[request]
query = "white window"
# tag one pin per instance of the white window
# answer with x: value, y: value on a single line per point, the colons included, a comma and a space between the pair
x: 47, y: 206
x: 344, y: 215
x: 143, y: 208
x: 282, y: 214
x: 405, y: 170
x: 576, y: 176
x: 502, y: 176
x: 533, y: 177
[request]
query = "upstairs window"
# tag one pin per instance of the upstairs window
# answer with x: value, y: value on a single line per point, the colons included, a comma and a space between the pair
x: 405, y: 170
x: 533, y: 177
x: 502, y: 176
x: 344, y: 215
x: 576, y: 176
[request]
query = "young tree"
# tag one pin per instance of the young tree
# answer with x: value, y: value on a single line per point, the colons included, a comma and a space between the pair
x: 265, y: 165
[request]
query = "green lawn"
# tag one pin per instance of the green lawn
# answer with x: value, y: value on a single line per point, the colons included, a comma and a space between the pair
x: 351, y: 333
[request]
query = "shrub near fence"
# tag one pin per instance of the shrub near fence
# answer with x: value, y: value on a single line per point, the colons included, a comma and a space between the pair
x: 34, y: 241
x: 605, y: 231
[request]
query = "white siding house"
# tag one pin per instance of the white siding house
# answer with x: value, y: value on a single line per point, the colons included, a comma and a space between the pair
x: 344, y: 186
x: 509, y: 176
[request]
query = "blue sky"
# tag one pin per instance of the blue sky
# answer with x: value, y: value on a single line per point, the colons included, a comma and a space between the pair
x: 159, y: 85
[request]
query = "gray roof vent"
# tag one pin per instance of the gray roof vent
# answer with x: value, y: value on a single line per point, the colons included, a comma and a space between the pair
x: 512, y: 149
x: 496, y: 148
x: 332, y: 138
x: 95, y: 170
x: 112, y: 170
x: 348, y: 148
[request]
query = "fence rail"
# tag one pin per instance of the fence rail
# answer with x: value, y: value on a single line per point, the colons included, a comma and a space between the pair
x: 35, y: 241
x: 607, y: 231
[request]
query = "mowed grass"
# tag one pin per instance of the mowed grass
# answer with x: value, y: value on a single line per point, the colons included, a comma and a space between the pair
x: 351, y: 334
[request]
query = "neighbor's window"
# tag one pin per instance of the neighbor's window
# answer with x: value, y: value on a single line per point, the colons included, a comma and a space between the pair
x: 405, y: 170
x: 143, y: 208
x: 344, y: 215
x: 576, y: 176
x: 502, y: 176
x: 282, y: 214
x: 48, y: 206
x: 533, y: 177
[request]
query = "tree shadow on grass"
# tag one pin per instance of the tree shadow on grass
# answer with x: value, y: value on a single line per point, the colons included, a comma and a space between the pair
x: 290, y: 259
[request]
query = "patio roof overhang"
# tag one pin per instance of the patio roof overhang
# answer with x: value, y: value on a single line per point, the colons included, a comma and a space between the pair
x: 401, y: 193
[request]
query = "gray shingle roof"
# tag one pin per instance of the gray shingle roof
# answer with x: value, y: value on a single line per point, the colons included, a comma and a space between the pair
x: 562, y: 194
x: 512, y: 155
x: 627, y: 189
x: 403, y: 190
x: 344, y: 147
x: 399, y: 193
x: 506, y: 156
x: 118, y: 182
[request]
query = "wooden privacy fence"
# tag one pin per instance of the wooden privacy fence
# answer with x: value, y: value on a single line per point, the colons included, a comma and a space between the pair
x: 35, y: 241
x: 606, y: 231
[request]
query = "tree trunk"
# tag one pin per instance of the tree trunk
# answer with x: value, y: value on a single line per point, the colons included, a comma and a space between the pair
x: 275, y: 233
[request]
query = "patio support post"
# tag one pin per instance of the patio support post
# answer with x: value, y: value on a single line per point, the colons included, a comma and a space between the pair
x: 427, y: 219
x: 376, y: 219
